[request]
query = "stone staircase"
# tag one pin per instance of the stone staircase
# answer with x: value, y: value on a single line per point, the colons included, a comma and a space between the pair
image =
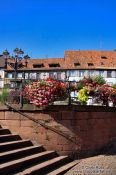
x: 19, y: 157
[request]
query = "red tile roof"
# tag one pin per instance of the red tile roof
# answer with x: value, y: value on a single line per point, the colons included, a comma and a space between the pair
x: 46, y: 63
x: 76, y: 60
x: 99, y: 59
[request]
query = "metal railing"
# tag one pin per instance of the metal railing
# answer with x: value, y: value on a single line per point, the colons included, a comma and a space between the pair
x: 15, y: 96
x: 43, y: 124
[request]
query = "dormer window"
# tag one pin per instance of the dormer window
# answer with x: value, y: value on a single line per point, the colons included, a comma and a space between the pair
x: 54, y: 65
x: 38, y: 65
x: 77, y: 64
x: 103, y: 57
x: 90, y: 64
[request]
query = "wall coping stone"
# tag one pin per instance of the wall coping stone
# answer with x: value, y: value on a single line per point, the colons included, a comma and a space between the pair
x: 78, y: 108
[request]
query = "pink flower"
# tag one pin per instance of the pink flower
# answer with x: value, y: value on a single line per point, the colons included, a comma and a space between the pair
x: 45, y: 91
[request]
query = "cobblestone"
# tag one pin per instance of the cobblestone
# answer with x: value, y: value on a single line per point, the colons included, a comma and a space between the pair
x: 98, y: 165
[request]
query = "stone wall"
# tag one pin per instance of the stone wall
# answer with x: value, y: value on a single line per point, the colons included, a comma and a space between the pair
x: 89, y: 128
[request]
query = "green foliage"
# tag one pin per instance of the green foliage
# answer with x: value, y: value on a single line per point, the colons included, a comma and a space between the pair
x: 85, y: 82
x: 42, y: 83
x: 4, y: 95
x: 27, y: 82
x: 99, y: 79
x: 114, y: 86
x: 80, y: 86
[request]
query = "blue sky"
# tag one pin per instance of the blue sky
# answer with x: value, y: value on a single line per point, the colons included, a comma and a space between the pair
x: 46, y: 28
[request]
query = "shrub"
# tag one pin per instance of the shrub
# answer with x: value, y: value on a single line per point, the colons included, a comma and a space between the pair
x: 89, y: 83
x: 114, y: 86
x: 105, y: 92
x: 4, y: 95
x: 99, y: 80
x: 80, y: 85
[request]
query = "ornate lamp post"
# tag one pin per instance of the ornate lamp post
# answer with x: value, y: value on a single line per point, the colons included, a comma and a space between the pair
x: 16, y: 64
x: 16, y: 61
x: 6, y: 55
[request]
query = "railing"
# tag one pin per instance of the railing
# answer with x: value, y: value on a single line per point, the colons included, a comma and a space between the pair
x: 17, y: 97
x: 42, y: 123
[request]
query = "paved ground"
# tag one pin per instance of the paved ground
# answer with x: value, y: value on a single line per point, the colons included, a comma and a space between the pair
x: 98, y: 165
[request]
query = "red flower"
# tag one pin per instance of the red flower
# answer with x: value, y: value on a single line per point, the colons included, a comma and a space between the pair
x: 43, y: 92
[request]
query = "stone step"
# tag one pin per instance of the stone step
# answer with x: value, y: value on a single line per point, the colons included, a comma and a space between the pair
x: 20, y: 157
x: 45, y: 167
x: 8, y: 146
x: 9, y: 137
x: 4, y: 131
x: 63, y: 169
x: 20, y: 164
x: 20, y: 153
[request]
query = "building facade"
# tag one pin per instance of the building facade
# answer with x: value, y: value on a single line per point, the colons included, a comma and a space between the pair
x: 74, y: 66
x: 2, y: 72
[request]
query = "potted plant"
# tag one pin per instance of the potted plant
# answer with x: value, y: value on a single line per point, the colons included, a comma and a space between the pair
x: 113, y: 96
x: 45, y: 92
x: 104, y: 93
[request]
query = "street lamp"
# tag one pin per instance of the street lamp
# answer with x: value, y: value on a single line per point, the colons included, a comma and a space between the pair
x: 16, y: 61
x: 6, y: 55
x: 26, y: 57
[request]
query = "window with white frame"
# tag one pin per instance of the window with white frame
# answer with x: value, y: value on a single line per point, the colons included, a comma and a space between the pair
x: 81, y: 73
x: 32, y: 75
x: 67, y: 73
x: 109, y: 74
x: 38, y: 76
x: 59, y: 75
x: 91, y: 72
x: 20, y: 75
x: 53, y: 75
x: 101, y: 73
x: 73, y: 73
x: 9, y: 75
x: 26, y: 75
